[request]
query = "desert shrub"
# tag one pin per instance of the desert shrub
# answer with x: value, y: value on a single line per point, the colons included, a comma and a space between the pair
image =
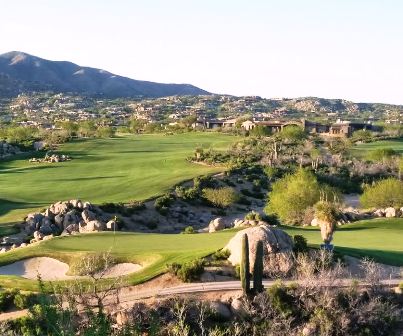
x: 109, y: 207
x: 244, y: 201
x: 188, y: 271
x: 237, y: 270
x: 229, y: 183
x: 151, y: 224
x: 7, y: 299
x: 23, y: 301
x: 309, y: 215
x: 300, y: 244
x: 253, y: 215
x: 180, y: 191
x: 221, y: 197
x: 385, y: 193
x: 189, y: 230
x: 163, y: 203
x: 246, y: 192
x: 135, y: 206
x: 222, y: 254
x: 202, y: 182
x: 381, y: 154
x: 281, y: 300
x: 271, y: 219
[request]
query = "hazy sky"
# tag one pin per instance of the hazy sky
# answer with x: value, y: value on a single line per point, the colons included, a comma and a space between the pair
x: 349, y: 49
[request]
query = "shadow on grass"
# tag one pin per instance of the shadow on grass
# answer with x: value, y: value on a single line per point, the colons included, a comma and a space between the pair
x: 88, y: 178
x: 394, y: 258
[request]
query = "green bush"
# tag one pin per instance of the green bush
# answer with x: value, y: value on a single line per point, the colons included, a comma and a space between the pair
x: 222, y: 254
x: 385, y: 193
x: 281, y: 300
x: 162, y: 203
x: 300, y: 244
x: 253, y: 215
x: 7, y: 299
x: 244, y: 201
x: 189, y: 230
x: 188, y: 271
x: 222, y: 197
x: 23, y: 301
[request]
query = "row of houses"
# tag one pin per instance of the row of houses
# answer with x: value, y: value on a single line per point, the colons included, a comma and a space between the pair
x: 340, y: 128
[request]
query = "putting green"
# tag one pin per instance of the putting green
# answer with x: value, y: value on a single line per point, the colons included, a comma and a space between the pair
x: 104, y: 170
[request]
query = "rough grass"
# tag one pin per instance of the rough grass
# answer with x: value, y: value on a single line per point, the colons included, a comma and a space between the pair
x: 104, y: 170
x: 380, y: 239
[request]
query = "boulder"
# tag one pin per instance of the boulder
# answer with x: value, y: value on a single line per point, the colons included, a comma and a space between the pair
x: 71, y: 217
x: 277, y: 248
x: 314, y: 222
x: 38, y: 236
x: 237, y: 307
x: 220, y: 310
x: 390, y: 212
x: 46, y: 229
x: 72, y: 228
x: 88, y: 215
x: 379, y: 213
x: 92, y: 226
x: 217, y: 224
x: 48, y: 237
x: 59, y: 218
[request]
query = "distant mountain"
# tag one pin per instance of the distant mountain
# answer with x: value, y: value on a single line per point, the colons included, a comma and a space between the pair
x: 21, y: 72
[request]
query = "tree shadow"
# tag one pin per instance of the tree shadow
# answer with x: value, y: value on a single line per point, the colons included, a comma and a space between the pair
x: 87, y: 178
x: 394, y: 258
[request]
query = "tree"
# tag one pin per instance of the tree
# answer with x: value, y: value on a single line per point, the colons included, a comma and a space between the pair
x: 293, y: 133
x: 105, y: 132
x: 221, y: 197
x: 383, y: 194
x: 136, y: 125
x: 259, y: 131
x: 258, y: 268
x: 244, y: 267
x: 326, y: 214
x: 361, y: 135
x: 86, y: 128
x: 294, y: 193
x: 70, y: 127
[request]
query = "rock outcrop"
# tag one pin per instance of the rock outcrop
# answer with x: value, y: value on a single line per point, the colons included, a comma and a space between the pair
x: 66, y: 217
x: 51, y: 158
x: 7, y: 150
x: 277, y: 246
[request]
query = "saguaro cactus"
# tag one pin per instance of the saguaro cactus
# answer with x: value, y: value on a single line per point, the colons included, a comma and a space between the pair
x: 244, y: 267
x: 258, y: 268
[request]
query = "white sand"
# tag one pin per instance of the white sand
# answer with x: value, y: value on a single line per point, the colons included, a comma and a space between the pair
x: 53, y: 269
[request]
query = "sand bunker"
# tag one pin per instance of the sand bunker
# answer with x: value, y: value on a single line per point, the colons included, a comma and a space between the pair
x: 53, y: 269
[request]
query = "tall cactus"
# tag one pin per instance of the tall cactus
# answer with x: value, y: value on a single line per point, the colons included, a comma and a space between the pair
x: 244, y: 269
x: 258, y: 268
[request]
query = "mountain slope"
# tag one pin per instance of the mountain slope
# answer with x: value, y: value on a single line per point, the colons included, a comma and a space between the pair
x: 21, y: 72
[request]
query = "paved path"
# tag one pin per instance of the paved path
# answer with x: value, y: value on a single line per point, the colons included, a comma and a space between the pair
x: 223, y: 286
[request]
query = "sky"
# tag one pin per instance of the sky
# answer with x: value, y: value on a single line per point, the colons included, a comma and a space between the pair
x: 350, y: 49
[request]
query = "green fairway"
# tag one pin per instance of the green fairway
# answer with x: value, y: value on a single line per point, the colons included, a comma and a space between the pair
x: 104, y: 170
x: 380, y: 239
x: 361, y: 150
x: 152, y: 251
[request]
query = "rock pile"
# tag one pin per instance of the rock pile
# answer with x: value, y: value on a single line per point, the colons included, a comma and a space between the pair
x: 219, y: 223
x: 67, y: 217
x: 388, y: 212
x: 277, y: 247
x: 52, y: 158
x: 7, y: 150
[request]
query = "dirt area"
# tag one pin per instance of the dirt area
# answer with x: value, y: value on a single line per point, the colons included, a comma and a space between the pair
x: 53, y: 269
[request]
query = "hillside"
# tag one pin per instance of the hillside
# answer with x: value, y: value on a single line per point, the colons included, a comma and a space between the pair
x: 22, y: 73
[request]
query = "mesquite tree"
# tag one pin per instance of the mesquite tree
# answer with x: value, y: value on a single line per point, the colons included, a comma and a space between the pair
x: 244, y: 269
x: 258, y: 268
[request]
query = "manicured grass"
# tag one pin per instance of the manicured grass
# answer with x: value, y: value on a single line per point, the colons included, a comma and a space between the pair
x: 153, y: 251
x: 361, y: 150
x: 104, y: 170
x: 380, y: 239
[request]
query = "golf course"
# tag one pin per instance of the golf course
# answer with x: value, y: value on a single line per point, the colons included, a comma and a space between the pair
x: 379, y: 239
x: 124, y: 168
x: 363, y: 149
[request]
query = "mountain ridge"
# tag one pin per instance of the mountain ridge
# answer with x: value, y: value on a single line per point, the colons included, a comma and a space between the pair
x: 28, y: 73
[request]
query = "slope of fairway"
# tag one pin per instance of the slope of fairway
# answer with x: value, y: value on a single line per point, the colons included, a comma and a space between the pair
x: 152, y: 251
x: 380, y: 239
x: 104, y: 170
x: 361, y: 150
